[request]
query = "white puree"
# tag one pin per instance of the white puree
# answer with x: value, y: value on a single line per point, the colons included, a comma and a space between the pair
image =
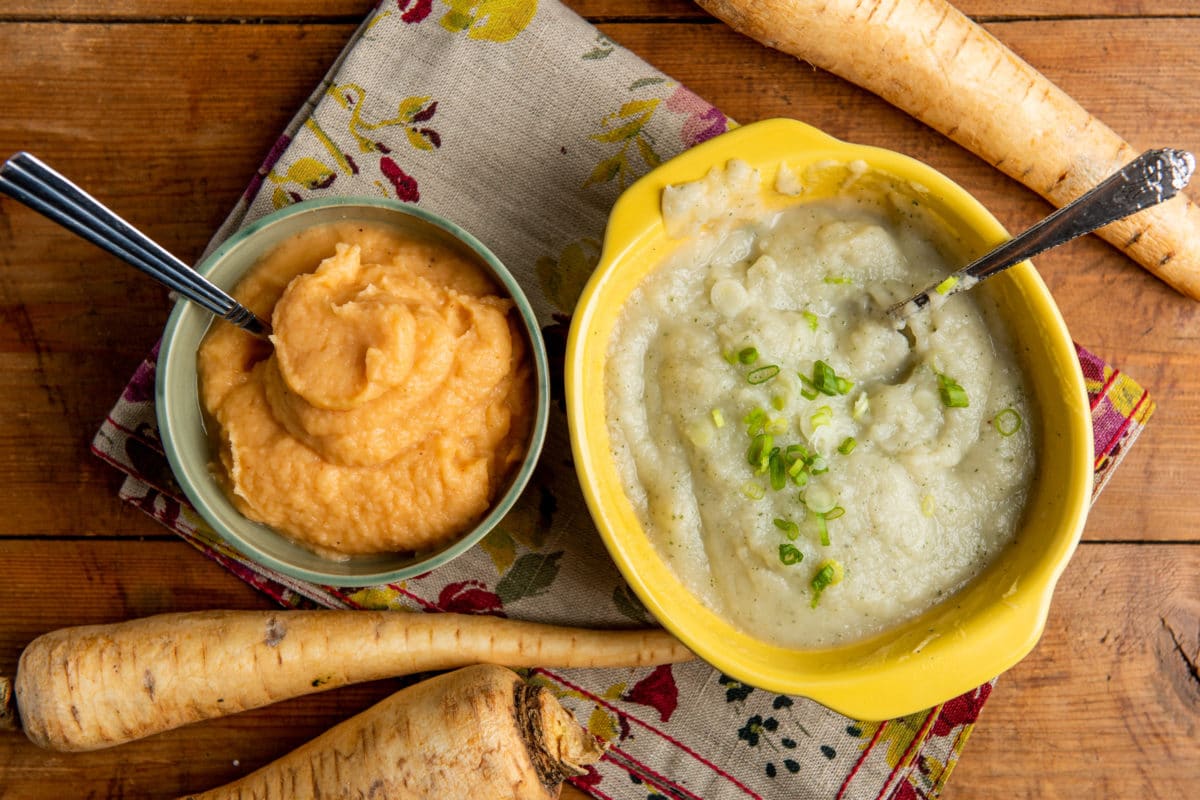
x: 930, y: 493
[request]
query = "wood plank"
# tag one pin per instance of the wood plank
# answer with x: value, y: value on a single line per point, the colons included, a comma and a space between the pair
x: 1108, y: 705
x: 207, y: 10
x: 1119, y: 651
x: 70, y: 338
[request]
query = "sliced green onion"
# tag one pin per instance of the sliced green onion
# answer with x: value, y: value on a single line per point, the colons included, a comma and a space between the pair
x: 927, y: 505
x: 847, y: 446
x: 1007, y: 422
x: 818, y: 465
x: 777, y: 470
x: 777, y: 425
x: 789, y: 528
x: 826, y: 381
x: 822, y: 529
x: 789, y: 555
x: 794, y: 451
x: 953, y: 395
x: 807, y: 389
x: 762, y: 374
x: 759, y: 452
x: 861, y: 406
x: 730, y: 357
x: 835, y: 512
x: 748, y: 355
x: 945, y: 286
x: 837, y: 279
x: 823, y: 416
x: 800, y: 478
x: 830, y: 573
x: 718, y: 418
x: 756, y: 421
x: 778, y: 402
x: 811, y: 319
x: 797, y: 468
x: 753, y: 490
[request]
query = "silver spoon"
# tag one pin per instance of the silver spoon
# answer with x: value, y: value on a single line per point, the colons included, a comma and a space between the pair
x: 28, y: 180
x: 1149, y: 179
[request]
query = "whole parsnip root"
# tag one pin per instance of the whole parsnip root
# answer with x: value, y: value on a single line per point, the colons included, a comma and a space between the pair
x: 95, y: 686
x: 480, y: 733
x: 931, y: 61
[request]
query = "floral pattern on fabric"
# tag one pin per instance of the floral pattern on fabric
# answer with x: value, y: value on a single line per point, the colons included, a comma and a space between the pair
x: 445, y: 103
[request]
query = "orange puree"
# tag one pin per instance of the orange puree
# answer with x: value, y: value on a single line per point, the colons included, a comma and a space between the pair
x: 394, y: 404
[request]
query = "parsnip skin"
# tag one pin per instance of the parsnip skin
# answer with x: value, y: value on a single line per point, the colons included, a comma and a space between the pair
x: 480, y: 732
x: 96, y: 686
x: 928, y: 59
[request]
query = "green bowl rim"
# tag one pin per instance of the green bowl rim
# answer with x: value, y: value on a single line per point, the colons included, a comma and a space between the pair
x: 501, y: 507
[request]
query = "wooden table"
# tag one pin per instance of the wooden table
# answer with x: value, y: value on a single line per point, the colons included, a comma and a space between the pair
x: 165, y: 108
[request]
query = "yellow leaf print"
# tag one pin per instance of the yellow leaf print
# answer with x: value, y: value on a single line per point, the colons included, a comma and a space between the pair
x: 490, y: 20
x: 563, y: 280
x: 602, y: 725
x: 501, y: 548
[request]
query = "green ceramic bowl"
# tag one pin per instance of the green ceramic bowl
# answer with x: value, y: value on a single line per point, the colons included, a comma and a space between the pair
x: 182, y: 427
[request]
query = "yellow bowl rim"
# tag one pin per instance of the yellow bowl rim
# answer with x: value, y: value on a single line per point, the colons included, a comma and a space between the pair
x: 897, y: 683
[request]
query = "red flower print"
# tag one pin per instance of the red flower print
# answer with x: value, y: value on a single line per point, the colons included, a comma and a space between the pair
x: 961, y: 710
x: 419, y: 11
x: 405, y: 184
x: 470, y: 597
x: 656, y: 690
x: 704, y: 121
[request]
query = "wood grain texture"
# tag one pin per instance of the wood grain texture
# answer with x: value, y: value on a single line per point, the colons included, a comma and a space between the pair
x: 1119, y: 656
x: 1107, y: 705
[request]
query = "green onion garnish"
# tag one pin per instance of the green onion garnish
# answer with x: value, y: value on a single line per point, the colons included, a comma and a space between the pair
x: 789, y: 528
x: 811, y: 319
x: 730, y: 357
x: 822, y: 529
x: 789, y: 555
x: 945, y: 286
x: 835, y: 512
x: 837, y: 279
x: 748, y: 355
x: 759, y: 452
x: 861, y: 406
x: 778, y: 402
x: 927, y: 505
x: 830, y: 573
x: 847, y: 446
x: 824, y: 416
x: 777, y: 425
x: 756, y: 421
x: 777, y: 470
x: 826, y: 381
x: 818, y: 465
x: 1007, y: 422
x: 718, y: 418
x: 762, y: 374
x: 953, y: 395
x: 753, y: 490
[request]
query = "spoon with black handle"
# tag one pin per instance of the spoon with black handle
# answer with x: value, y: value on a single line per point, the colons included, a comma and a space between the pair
x: 31, y: 182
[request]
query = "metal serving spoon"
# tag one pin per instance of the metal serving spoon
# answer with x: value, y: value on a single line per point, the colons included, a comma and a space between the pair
x: 28, y: 180
x: 1149, y: 179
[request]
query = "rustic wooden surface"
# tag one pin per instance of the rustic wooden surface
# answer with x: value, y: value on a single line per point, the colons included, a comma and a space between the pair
x: 165, y: 108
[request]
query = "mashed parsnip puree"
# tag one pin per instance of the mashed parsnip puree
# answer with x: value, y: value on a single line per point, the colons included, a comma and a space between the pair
x: 811, y: 473
x: 393, y: 404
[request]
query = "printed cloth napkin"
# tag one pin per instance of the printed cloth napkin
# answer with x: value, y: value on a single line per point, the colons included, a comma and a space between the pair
x: 521, y: 122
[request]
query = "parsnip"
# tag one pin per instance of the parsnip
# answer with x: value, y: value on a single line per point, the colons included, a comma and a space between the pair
x: 477, y: 733
x: 95, y: 686
x: 931, y: 61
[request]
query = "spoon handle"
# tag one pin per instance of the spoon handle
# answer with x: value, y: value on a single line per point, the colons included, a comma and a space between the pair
x: 31, y: 182
x: 1151, y: 178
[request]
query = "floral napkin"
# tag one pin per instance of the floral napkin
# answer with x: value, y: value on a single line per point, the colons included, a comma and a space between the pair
x: 521, y: 122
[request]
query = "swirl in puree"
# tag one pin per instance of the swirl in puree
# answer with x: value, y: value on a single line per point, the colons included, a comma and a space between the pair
x: 394, y: 404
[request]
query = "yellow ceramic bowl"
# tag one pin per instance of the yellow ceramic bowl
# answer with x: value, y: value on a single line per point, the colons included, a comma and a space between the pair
x: 972, y: 636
